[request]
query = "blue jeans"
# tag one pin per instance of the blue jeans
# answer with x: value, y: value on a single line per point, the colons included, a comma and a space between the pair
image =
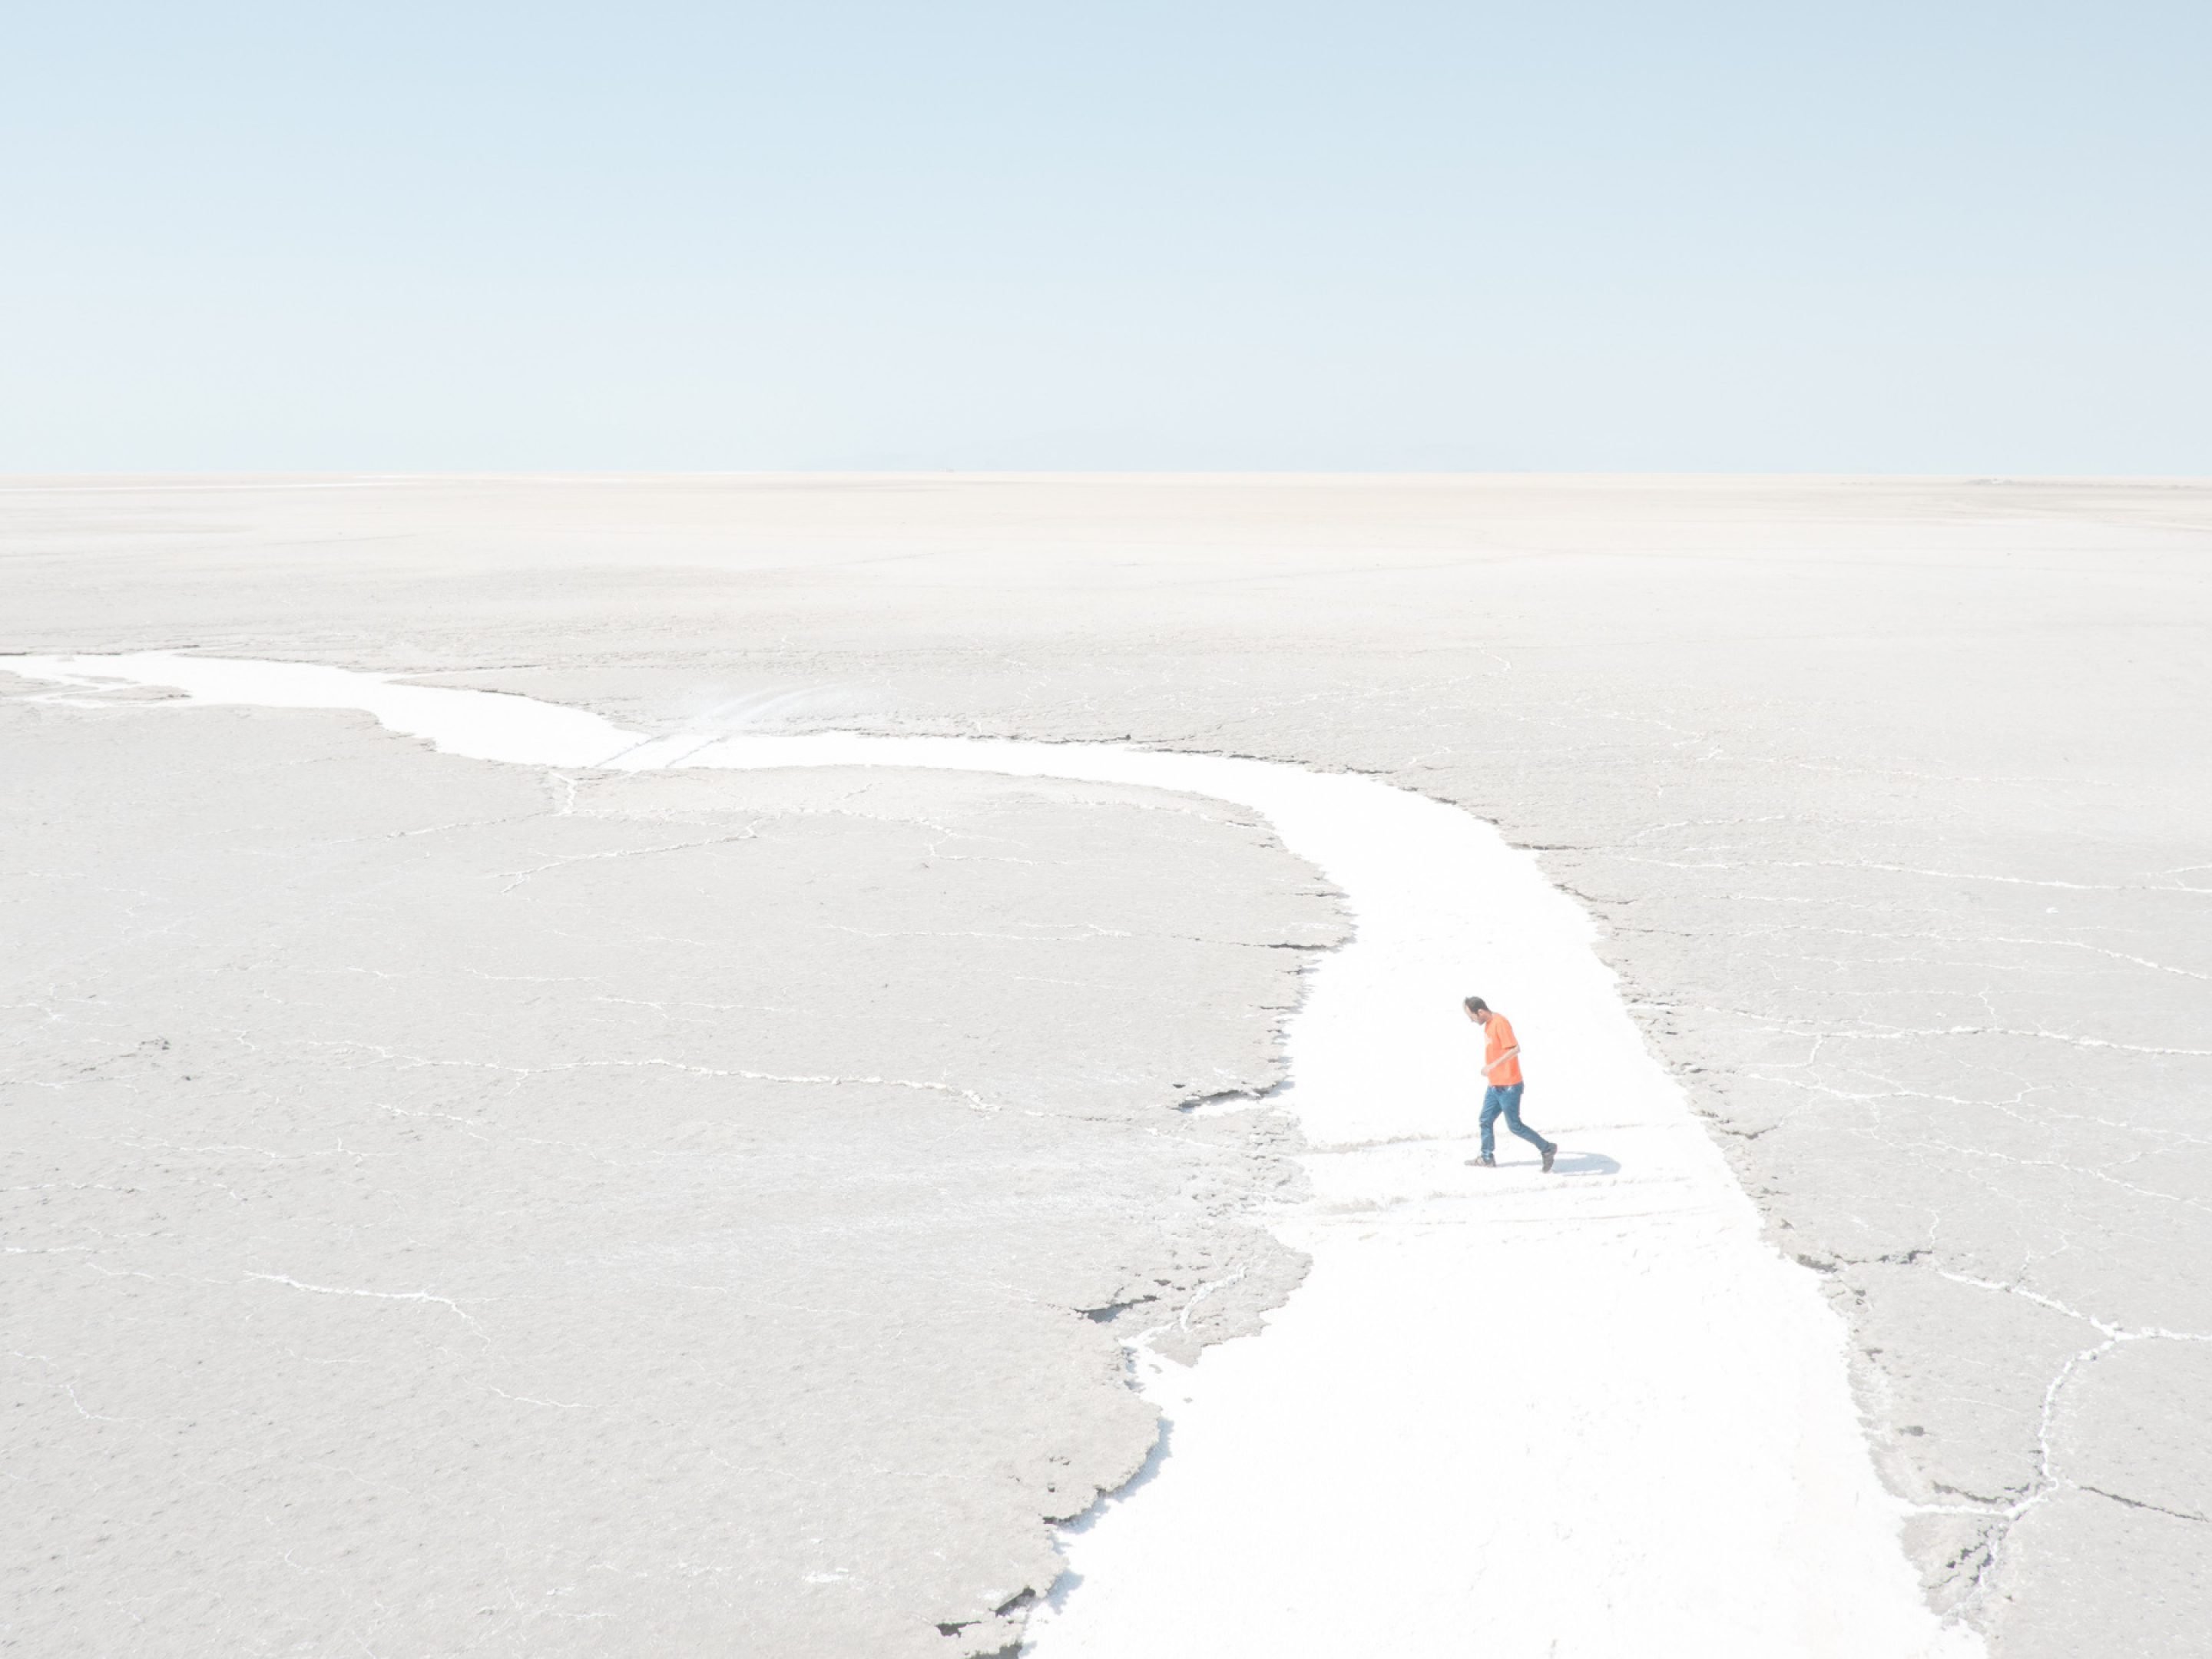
x: 1508, y: 1101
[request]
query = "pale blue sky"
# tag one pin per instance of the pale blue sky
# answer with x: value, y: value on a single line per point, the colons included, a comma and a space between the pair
x: 1906, y: 237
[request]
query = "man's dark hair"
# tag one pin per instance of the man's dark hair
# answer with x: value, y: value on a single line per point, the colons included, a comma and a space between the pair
x: 1477, y: 1006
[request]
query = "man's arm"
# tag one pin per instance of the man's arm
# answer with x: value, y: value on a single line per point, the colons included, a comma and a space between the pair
x: 1492, y: 1066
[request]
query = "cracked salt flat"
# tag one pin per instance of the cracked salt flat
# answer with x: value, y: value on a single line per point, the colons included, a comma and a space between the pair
x: 1591, y: 1415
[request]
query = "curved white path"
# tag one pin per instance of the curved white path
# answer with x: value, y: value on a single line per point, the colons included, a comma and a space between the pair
x: 1591, y: 1414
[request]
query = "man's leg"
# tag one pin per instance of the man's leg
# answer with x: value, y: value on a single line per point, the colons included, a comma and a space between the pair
x: 1493, y: 1104
x: 1510, y: 1103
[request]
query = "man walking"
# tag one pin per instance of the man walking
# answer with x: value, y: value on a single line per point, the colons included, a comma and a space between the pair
x: 1501, y: 1071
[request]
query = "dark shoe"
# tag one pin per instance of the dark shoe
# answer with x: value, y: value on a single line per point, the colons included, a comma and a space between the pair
x: 1486, y: 1161
x: 1550, y: 1152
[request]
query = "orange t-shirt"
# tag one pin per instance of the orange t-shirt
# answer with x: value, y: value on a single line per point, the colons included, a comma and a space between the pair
x: 1497, y: 1037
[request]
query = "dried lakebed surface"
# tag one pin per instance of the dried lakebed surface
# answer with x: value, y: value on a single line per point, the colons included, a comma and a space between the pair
x: 1889, y: 797
x: 454, y: 1206
x: 1676, y: 1392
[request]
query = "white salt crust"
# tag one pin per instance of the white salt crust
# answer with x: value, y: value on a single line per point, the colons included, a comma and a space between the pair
x: 1592, y: 1413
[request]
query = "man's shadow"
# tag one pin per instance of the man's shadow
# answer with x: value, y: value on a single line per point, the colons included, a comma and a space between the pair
x: 1585, y: 1164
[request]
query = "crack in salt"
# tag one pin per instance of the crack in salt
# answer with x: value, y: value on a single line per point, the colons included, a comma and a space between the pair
x: 445, y: 1301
